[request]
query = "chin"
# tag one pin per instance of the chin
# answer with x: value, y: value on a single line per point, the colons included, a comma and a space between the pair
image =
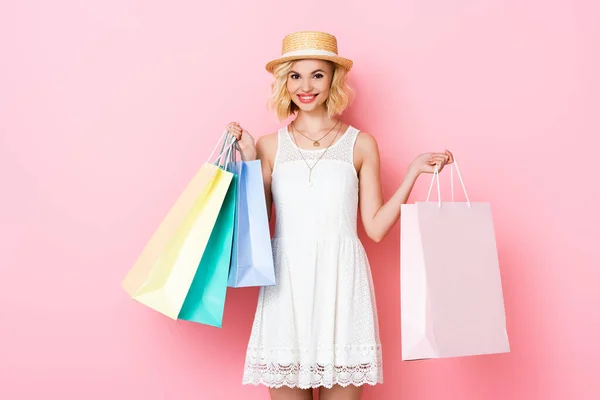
x: 309, y: 107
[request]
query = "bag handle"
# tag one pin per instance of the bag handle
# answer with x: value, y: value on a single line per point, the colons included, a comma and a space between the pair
x: 225, y: 148
x: 233, y: 150
x: 436, y: 176
x: 231, y: 155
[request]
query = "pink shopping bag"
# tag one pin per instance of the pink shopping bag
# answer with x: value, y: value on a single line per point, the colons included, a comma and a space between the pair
x: 451, y: 291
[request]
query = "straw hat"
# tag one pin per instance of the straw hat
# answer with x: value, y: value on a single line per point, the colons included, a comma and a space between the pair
x: 309, y: 44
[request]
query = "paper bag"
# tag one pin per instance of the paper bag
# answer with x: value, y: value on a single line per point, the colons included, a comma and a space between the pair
x: 451, y: 291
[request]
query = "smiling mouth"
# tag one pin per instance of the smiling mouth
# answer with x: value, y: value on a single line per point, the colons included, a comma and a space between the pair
x: 307, y: 98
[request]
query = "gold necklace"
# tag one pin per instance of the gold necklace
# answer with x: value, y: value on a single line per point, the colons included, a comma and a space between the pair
x: 315, y: 142
x: 318, y: 159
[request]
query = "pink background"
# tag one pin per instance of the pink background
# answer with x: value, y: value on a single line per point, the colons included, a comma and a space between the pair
x: 107, y: 109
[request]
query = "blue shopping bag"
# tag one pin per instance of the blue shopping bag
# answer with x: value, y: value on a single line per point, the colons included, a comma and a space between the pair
x: 252, y: 255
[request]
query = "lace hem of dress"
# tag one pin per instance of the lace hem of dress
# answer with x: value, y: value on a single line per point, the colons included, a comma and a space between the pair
x: 312, y: 375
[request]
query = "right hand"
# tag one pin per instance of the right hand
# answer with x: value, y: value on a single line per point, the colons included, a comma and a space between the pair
x: 427, y: 162
x: 245, y: 141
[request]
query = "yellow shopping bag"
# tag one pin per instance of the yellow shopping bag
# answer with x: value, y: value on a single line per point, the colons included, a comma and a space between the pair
x: 164, y: 271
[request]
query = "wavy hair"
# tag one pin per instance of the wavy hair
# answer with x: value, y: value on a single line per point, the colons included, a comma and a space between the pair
x: 340, y: 94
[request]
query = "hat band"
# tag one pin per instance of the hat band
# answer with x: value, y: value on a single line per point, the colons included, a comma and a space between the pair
x: 309, y: 52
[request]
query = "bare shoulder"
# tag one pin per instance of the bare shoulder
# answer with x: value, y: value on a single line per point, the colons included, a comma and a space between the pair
x: 366, y: 144
x: 267, y: 143
x: 266, y: 147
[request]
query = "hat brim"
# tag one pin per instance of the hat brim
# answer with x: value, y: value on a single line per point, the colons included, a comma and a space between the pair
x: 341, y: 61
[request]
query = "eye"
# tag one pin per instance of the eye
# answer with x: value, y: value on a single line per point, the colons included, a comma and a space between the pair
x: 318, y: 76
x: 294, y: 76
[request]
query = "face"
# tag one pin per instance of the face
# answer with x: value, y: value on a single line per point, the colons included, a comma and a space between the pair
x: 308, y: 83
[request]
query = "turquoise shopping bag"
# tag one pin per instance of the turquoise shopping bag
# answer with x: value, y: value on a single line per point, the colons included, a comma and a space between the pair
x: 205, y: 301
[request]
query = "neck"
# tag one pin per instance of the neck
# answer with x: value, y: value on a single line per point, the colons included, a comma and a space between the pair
x: 314, y: 121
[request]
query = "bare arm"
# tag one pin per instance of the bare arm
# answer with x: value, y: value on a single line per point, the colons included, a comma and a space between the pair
x: 379, y: 217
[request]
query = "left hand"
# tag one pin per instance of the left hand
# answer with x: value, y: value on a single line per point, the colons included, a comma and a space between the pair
x: 425, y: 163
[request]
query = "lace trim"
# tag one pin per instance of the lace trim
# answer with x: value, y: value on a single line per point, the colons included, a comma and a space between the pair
x: 312, y: 375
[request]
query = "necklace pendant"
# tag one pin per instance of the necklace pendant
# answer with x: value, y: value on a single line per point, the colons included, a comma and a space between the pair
x: 316, y: 143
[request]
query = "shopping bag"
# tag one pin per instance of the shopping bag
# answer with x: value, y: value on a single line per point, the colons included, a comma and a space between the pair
x: 451, y: 292
x: 163, y: 273
x: 205, y: 300
x: 252, y: 255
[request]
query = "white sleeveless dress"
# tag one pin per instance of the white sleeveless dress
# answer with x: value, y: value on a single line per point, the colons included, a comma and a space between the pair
x: 318, y: 325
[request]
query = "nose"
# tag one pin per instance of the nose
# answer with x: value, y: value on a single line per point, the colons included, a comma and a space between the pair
x: 306, y: 86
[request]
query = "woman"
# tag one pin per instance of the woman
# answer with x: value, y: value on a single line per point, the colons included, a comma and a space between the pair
x: 317, y: 327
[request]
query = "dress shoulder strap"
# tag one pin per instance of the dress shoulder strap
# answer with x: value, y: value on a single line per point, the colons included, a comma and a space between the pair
x: 352, y: 135
x: 284, y: 148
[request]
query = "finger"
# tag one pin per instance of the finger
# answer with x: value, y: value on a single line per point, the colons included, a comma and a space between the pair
x: 235, y: 134
x: 438, y: 160
x: 436, y: 155
x: 439, y: 164
x: 441, y: 156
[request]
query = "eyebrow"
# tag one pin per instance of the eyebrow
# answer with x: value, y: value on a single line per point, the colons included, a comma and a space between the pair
x: 314, y: 72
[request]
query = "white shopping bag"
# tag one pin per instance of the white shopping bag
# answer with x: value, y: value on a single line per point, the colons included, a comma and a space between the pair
x: 451, y: 293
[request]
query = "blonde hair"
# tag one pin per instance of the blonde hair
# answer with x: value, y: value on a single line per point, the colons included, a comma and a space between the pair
x: 340, y: 94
